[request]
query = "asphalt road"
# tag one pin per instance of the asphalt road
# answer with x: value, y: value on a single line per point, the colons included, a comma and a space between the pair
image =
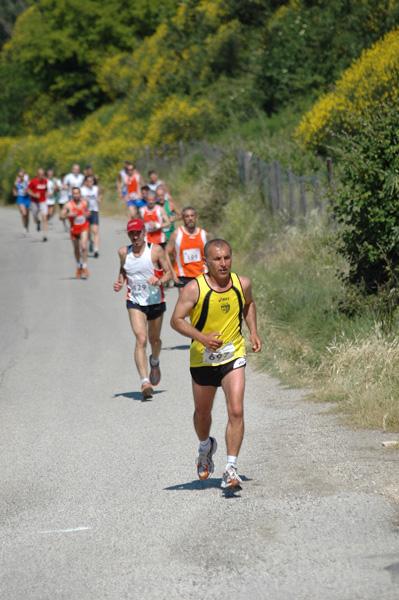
x: 98, y: 490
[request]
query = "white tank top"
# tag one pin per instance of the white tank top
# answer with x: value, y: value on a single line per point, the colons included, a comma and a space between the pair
x: 91, y: 196
x: 138, y: 270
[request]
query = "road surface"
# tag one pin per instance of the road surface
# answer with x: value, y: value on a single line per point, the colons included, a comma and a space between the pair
x: 99, y: 496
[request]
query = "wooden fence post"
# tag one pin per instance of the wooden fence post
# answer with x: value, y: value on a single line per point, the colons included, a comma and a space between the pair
x: 292, y: 207
x: 272, y: 182
x: 247, y: 168
x: 181, y: 150
x: 330, y: 174
x: 303, y: 197
x: 279, y: 188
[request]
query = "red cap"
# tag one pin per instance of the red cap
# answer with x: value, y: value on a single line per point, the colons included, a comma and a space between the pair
x: 135, y: 225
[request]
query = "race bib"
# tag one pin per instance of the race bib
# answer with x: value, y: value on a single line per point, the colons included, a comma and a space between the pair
x: 192, y: 255
x: 79, y: 220
x: 140, y: 287
x: 143, y: 290
x: 223, y: 354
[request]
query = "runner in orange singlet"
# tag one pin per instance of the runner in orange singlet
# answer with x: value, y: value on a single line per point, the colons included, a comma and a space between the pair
x: 133, y: 182
x: 155, y: 220
x: 185, y: 249
x: 76, y: 211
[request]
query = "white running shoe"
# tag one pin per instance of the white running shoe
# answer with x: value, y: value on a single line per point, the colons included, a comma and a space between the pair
x: 205, y: 466
x: 231, y: 479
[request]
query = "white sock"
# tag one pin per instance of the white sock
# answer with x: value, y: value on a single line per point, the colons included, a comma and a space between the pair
x: 95, y: 249
x: 84, y: 265
x: 145, y: 380
x: 231, y: 460
x: 205, y: 446
x: 154, y: 363
x: 79, y: 266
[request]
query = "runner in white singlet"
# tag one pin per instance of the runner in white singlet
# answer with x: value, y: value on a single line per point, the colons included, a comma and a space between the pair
x: 145, y: 269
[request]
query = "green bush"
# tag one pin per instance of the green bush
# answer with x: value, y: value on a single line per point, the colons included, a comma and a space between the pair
x: 308, y: 43
x: 367, y: 204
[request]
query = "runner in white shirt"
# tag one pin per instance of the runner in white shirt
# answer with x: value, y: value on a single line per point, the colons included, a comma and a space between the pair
x: 63, y: 197
x: 154, y: 182
x: 92, y: 195
x: 74, y: 179
x: 52, y: 188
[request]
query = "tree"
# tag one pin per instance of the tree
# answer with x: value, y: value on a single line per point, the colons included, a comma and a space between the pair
x: 367, y: 206
x: 9, y: 11
x: 59, y: 44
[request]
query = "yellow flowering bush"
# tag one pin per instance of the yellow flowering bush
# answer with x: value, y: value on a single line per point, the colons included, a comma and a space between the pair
x: 180, y: 119
x: 370, y: 80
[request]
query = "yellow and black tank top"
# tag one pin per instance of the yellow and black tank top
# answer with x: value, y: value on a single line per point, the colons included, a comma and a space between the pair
x: 218, y: 311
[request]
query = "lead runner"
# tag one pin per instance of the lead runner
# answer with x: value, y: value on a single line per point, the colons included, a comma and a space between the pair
x: 217, y: 301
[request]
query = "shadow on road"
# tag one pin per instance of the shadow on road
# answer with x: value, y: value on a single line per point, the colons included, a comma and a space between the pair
x: 137, y: 395
x: 185, y: 347
x: 198, y: 485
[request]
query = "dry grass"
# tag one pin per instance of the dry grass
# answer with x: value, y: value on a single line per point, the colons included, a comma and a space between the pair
x: 362, y: 376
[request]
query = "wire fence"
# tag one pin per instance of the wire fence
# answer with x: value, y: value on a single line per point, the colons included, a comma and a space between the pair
x: 282, y: 193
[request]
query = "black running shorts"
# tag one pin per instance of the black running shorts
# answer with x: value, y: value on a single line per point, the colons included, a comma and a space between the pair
x: 153, y: 311
x: 213, y: 375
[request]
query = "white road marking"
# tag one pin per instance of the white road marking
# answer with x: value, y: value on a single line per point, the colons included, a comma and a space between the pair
x: 65, y: 530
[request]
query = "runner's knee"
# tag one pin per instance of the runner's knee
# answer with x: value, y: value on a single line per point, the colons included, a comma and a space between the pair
x: 141, y: 340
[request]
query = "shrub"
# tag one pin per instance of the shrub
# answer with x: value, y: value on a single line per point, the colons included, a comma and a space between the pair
x: 367, y: 204
x: 306, y: 45
x: 371, y: 80
x: 180, y: 119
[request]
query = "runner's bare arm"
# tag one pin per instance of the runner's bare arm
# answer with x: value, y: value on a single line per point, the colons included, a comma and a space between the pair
x: 185, y: 303
x: 118, y: 285
x: 165, y: 218
x: 170, y: 255
x: 175, y: 209
x: 65, y: 210
x: 158, y: 257
x: 34, y: 195
x: 250, y: 314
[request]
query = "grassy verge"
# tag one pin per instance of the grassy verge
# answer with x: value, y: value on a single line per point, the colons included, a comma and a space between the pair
x: 308, y: 340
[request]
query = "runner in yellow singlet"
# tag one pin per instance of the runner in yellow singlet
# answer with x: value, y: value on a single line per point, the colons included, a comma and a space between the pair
x: 217, y: 303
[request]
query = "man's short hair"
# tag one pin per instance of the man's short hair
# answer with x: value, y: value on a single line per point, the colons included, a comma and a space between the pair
x: 76, y: 188
x: 189, y: 208
x: 145, y: 187
x: 218, y: 242
x: 151, y: 172
x: 151, y: 194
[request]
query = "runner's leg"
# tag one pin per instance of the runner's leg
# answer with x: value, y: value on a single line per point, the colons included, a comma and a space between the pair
x: 96, y: 237
x: 76, y: 251
x: 83, y: 245
x: 138, y: 321
x: 233, y: 385
x: 154, y: 332
x: 203, y: 403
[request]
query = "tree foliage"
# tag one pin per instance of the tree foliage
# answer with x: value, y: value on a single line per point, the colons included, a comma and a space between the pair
x: 57, y: 46
x: 367, y: 206
x: 308, y: 43
x: 9, y: 11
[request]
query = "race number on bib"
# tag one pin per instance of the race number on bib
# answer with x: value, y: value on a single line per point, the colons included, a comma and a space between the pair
x: 192, y: 255
x: 151, y: 293
x: 79, y: 220
x: 223, y: 354
x: 140, y: 287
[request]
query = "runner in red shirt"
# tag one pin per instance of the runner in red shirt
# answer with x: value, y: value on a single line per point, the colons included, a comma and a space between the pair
x: 37, y: 190
x: 76, y: 211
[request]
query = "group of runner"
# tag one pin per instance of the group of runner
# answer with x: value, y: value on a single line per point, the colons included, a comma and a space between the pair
x: 211, y: 296
x: 78, y: 196
x: 216, y: 302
